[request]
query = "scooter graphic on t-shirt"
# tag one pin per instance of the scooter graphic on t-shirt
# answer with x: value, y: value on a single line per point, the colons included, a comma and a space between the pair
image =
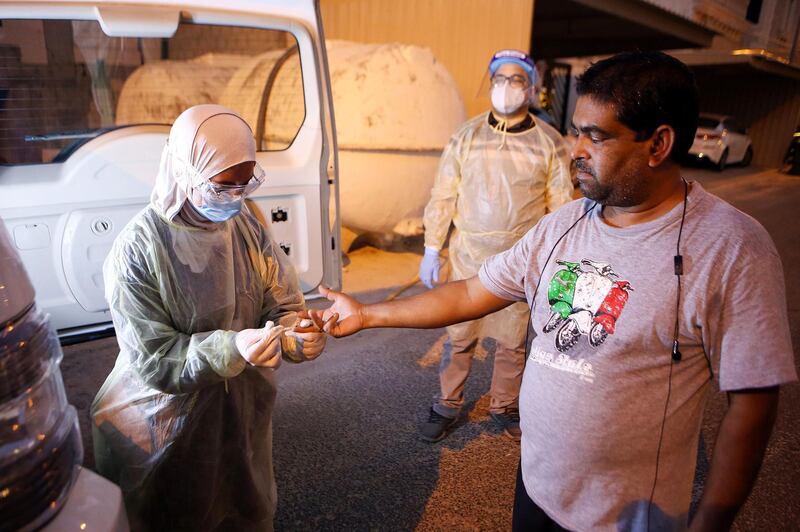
x: 605, y: 319
x: 585, y: 302
x: 561, y: 293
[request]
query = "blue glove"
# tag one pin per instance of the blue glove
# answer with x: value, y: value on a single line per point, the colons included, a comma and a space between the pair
x: 429, y: 267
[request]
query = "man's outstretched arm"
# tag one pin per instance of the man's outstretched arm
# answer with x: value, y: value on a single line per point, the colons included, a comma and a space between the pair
x: 738, y: 452
x: 447, y: 304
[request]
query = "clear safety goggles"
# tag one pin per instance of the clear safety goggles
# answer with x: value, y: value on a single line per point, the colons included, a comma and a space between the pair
x: 222, y: 192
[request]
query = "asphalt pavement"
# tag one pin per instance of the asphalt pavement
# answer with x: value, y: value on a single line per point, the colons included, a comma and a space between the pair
x: 346, y: 447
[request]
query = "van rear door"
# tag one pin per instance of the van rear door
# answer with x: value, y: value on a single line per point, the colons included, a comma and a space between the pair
x: 87, y: 97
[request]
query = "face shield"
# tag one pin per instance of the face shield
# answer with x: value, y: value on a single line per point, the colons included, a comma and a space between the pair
x: 509, y: 89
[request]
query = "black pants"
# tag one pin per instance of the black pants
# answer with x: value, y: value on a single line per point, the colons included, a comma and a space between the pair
x: 527, y: 515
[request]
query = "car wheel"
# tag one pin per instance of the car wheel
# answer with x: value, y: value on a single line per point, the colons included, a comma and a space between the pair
x: 723, y: 161
x: 748, y: 156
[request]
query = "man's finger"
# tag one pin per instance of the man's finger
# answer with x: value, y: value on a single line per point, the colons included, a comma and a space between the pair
x: 329, y: 325
x: 317, y: 318
x: 331, y: 321
x: 327, y: 293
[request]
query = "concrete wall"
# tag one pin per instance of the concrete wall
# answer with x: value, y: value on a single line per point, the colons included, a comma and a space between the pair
x: 463, y: 34
x: 776, y: 27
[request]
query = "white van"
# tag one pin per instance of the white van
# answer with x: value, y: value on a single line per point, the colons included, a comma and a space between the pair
x: 87, y: 94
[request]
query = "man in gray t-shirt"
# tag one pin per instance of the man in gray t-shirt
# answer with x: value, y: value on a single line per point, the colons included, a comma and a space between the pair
x: 600, y: 367
x: 642, y: 295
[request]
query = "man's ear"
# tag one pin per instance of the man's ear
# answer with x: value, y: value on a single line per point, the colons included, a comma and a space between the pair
x: 661, y: 143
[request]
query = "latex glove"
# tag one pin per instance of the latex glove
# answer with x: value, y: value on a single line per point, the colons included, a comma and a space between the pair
x: 261, y: 347
x: 309, y: 339
x: 429, y: 267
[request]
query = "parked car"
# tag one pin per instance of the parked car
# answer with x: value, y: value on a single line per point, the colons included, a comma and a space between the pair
x: 721, y: 140
x: 791, y: 163
x: 88, y: 93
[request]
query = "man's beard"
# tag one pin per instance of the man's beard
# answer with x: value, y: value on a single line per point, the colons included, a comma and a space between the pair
x: 625, y: 191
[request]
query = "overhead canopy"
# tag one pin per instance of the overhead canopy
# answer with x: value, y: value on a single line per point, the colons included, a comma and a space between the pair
x: 738, y: 62
x: 575, y: 28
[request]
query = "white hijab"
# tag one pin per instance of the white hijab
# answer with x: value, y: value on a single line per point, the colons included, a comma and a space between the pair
x: 204, y: 141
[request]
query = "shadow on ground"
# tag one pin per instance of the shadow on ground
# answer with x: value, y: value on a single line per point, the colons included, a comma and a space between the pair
x: 347, y: 451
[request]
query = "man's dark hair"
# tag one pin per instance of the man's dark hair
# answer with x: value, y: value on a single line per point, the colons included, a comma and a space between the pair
x: 647, y: 90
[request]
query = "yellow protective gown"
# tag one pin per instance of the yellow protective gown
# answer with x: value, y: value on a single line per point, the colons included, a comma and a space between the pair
x: 183, y: 423
x: 494, y: 186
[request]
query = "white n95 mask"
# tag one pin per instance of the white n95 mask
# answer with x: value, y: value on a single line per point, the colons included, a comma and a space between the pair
x: 507, y: 99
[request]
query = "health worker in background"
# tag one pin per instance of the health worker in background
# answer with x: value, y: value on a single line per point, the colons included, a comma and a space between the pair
x: 500, y: 173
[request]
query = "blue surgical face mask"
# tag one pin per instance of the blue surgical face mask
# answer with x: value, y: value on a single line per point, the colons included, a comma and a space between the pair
x: 216, y: 208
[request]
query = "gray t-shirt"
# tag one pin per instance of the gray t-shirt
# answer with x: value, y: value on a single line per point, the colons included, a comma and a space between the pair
x: 596, y: 383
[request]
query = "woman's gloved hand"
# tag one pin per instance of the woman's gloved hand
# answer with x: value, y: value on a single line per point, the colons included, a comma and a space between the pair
x: 261, y: 347
x: 429, y: 267
x: 310, y: 340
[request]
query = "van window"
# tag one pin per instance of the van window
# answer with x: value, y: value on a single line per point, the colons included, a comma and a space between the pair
x: 64, y: 82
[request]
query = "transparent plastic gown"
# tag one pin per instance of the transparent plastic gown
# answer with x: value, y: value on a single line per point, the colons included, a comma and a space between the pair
x: 183, y: 423
x: 494, y: 186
